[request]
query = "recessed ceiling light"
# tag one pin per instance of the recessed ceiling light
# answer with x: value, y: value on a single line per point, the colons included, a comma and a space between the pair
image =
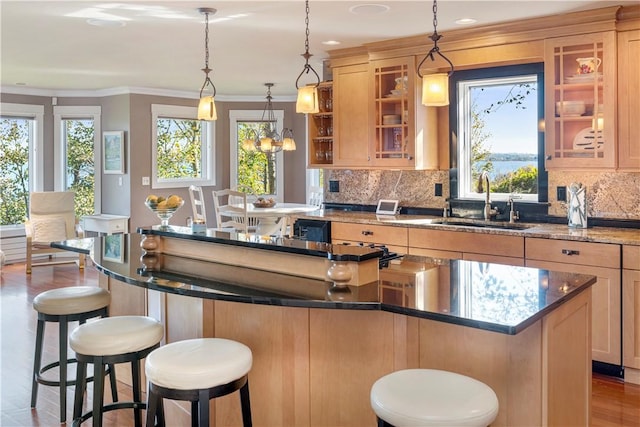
x: 105, y: 22
x: 331, y: 42
x: 369, y: 9
x: 465, y: 21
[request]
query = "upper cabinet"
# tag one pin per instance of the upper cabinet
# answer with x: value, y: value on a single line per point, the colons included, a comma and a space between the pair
x: 320, y: 150
x: 629, y: 100
x: 402, y: 136
x: 580, y: 93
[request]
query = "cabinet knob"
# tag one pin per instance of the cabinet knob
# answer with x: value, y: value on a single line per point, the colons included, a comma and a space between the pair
x: 367, y: 233
x: 548, y: 157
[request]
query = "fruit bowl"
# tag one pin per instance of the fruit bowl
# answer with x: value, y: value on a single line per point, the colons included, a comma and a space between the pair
x: 165, y: 208
x: 264, y: 203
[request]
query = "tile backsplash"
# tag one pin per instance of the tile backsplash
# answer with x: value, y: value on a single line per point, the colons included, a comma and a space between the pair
x: 610, y: 195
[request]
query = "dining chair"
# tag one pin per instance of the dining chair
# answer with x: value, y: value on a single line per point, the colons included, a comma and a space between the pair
x: 52, y: 218
x: 252, y: 221
x: 231, y: 209
x: 197, y: 204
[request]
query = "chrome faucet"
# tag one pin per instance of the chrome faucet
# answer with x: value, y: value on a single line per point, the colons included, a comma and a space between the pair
x: 482, y: 181
x: 514, y: 215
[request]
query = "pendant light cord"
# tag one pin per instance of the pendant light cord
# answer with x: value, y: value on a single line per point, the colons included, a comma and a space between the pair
x: 306, y: 55
x: 206, y: 69
x: 435, y: 37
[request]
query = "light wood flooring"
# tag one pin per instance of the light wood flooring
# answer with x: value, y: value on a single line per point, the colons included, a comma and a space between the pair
x: 614, y: 403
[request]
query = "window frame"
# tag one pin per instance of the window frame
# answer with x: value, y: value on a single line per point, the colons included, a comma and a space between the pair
x: 236, y: 116
x: 61, y: 113
x: 455, y: 108
x: 36, y: 139
x: 207, y: 147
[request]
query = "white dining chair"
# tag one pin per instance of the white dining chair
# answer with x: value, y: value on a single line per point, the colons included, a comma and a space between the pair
x: 231, y: 210
x: 197, y: 204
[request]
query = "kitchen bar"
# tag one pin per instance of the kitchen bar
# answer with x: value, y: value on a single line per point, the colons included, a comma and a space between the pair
x: 319, y: 347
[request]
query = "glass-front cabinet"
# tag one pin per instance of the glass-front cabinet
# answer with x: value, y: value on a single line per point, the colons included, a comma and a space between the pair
x: 401, y: 136
x: 580, y: 92
x: 321, y: 128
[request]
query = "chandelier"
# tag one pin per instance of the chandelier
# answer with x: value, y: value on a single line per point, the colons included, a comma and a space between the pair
x: 266, y: 138
x: 435, y: 87
x: 307, y: 101
x: 207, y: 105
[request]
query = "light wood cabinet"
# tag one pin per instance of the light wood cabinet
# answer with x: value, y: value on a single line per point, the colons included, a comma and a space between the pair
x: 402, y: 135
x: 351, y: 116
x: 628, y: 100
x: 394, y: 238
x: 581, y: 140
x: 598, y: 259
x: 501, y: 249
x: 631, y: 313
x: 320, y: 150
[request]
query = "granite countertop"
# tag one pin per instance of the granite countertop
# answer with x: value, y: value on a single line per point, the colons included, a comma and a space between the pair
x: 494, y: 297
x: 625, y: 236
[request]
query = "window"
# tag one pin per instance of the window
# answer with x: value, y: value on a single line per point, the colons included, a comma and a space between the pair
x: 76, y: 154
x: 182, y: 152
x: 252, y: 171
x: 496, y: 115
x: 21, y: 159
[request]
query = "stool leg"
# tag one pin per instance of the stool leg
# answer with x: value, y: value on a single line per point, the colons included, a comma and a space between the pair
x: 112, y: 379
x: 81, y: 385
x: 194, y: 414
x: 203, y: 408
x: 135, y: 379
x: 62, y: 342
x: 246, y: 405
x: 98, y: 391
x: 154, y: 406
x: 37, y: 362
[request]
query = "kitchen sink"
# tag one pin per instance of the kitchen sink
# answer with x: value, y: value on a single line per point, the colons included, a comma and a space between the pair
x: 485, y: 224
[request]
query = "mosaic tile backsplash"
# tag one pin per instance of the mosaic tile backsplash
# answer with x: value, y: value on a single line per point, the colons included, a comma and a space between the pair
x: 611, y: 195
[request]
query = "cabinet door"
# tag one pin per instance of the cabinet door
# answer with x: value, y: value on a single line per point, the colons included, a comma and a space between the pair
x: 350, y: 116
x: 580, y: 82
x: 629, y: 100
x: 404, y: 135
x: 631, y: 318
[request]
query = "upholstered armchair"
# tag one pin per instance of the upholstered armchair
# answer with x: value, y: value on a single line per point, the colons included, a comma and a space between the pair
x: 52, y: 218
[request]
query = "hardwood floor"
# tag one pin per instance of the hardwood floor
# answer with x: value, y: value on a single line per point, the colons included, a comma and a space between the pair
x: 614, y: 403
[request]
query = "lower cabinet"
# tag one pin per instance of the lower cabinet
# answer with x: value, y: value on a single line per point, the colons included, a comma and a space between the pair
x: 598, y: 259
x: 631, y: 313
x: 394, y: 238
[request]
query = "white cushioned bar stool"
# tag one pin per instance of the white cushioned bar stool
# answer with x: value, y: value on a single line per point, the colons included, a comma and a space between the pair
x: 428, y: 397
x: 64, y: 305
x: 198, y: 370
x: 112, y: 340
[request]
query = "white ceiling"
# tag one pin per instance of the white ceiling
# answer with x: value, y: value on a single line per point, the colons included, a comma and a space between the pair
x: 47, y: 47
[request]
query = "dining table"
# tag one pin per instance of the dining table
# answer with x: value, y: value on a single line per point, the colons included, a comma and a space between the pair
x: 270, y: 219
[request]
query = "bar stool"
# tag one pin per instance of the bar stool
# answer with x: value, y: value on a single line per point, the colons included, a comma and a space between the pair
x: 64, y: 305
x: 428, y: 397
x: 198, y: 370
x: 112, y: 340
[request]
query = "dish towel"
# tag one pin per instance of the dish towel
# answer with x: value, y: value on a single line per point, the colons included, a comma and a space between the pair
x: 577, y: 210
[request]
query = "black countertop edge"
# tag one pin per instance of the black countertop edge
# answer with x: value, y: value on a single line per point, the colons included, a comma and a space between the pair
x: 81, y: 246
x: 534, y: 217
x: 278, y: 244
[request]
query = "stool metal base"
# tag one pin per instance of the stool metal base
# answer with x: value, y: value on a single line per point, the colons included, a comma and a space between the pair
x: 199, y: 399
x: 63, y: 361
x: 99, y: 407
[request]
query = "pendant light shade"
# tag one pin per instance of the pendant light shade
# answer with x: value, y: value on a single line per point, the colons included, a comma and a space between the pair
x: 307, y: 100
x: 207, y: 105
x: 435, y: 89
x: 207, y: 109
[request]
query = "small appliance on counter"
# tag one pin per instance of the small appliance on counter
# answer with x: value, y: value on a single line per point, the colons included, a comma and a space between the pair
x: 313, y: 230
x: 577, y: 206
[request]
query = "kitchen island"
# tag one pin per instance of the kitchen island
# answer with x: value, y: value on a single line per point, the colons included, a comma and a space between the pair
x: 319, y: 347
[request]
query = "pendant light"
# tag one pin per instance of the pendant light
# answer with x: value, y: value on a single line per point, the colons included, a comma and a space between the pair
x: 435, y: 87
x: 207, y: 106
x: 307, y: 95
x: 267, y: 139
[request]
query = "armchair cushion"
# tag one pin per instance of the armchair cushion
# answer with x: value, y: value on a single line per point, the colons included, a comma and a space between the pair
x: 47, y: 230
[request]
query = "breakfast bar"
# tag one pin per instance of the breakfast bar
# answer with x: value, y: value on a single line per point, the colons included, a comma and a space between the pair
x: 319, y: 345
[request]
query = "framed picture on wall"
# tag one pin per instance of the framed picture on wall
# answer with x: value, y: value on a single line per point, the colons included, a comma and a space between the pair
x: 113, y: 152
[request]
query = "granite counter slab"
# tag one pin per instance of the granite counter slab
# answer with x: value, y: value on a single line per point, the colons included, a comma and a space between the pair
x: 623, y: 236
